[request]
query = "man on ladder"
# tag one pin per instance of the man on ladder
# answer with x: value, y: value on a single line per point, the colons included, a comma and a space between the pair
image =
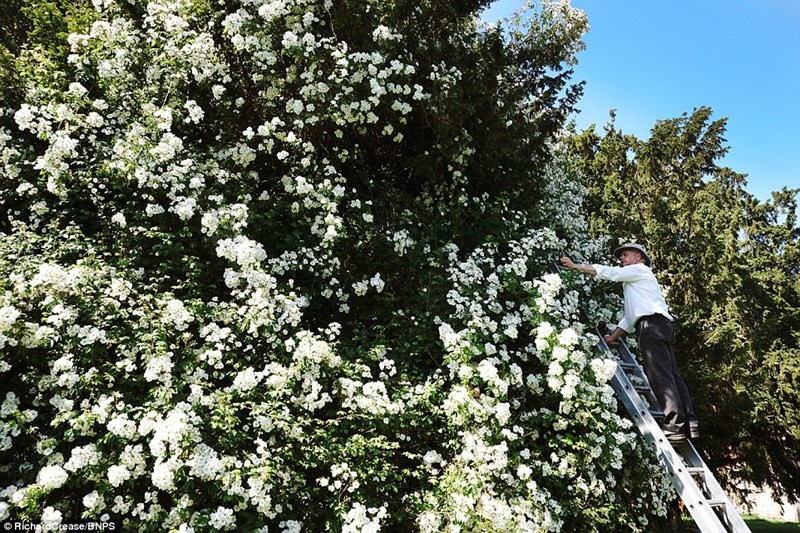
x: 646, y: 312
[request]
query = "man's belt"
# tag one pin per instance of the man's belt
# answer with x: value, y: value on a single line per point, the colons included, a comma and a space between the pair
x: 649, y: 317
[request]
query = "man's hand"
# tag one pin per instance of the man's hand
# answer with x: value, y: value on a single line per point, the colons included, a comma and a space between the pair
x: 614, y: 335
x: 566, y: 262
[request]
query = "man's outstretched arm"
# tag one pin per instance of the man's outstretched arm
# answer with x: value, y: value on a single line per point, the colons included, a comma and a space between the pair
x: 566, y: 262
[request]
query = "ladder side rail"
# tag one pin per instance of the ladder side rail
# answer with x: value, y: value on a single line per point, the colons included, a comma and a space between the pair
x: 715, y: 490
x: 696, y: 502
x: 627, y: 356
x: 621, y: 348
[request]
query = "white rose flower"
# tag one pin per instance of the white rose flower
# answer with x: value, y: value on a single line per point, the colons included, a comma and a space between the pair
x: 377, y: 282
x: 119, y: 220
x: 118, y: 474
x: 222, y: 518
x: 8, y: 315
x: 52, y: 477
x: 163, y: 476
x: 94, y: 502
x: 50, y: 517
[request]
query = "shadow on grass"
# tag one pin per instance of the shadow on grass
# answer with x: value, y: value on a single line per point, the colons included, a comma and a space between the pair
x: 756, y: 525
x: 761, y: 525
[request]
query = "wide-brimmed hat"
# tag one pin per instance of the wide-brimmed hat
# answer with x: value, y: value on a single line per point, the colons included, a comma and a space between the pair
x: 633, y: 246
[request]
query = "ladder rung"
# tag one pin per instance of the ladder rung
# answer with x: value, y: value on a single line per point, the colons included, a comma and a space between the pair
x: 641, y: 388
x: 628, y: 366
x: 696, y: 470
x: 656, y: 413
x: 716, y: 503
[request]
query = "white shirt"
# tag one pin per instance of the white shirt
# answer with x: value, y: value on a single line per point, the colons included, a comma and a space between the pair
x: 641, y: 290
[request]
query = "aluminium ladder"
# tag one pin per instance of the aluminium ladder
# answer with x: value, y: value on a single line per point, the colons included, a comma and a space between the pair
x: 702, y: 495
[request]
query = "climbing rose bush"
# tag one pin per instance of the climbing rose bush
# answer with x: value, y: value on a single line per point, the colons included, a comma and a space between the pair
x: 261, y: 271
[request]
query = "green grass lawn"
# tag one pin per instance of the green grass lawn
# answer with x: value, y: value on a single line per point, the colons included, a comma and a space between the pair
x: 762, y: 525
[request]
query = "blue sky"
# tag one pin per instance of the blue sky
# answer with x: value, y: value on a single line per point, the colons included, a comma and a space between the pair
x: 656, y: 59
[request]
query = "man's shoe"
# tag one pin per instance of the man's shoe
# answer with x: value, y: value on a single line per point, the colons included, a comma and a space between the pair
x: 675, y: 437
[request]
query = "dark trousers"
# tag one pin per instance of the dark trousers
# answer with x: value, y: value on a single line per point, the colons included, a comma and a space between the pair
x: 655, y: 335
